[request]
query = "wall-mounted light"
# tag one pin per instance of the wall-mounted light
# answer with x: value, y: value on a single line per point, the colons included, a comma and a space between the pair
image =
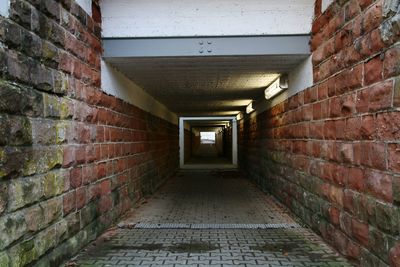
x: 276, y: 87
x: 239, y: 116
x: 250, y: 108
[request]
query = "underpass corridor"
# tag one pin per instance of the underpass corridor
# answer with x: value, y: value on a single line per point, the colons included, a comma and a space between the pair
x: 199, y: 133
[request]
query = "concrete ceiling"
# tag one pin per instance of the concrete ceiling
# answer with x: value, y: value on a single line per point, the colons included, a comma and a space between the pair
x: 206, y: 85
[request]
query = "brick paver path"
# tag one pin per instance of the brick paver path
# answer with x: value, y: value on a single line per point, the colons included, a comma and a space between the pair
x: 207, y: 219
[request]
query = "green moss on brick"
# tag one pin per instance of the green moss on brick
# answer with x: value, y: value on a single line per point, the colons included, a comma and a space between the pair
x: 4, y: 260
x: 53, y: 184
x: 23, y: 253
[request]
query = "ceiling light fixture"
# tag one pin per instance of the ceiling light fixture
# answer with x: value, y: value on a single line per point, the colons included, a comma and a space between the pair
x: 276, y: 87
x: 250, y: 108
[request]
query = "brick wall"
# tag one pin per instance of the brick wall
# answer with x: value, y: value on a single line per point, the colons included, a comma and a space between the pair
x: 227, y: 142
x: 72, y: 159
x: 188, y: 144
x: 331, y: 153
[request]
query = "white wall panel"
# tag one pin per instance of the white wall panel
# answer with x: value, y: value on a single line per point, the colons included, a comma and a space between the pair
x: 115, y: 83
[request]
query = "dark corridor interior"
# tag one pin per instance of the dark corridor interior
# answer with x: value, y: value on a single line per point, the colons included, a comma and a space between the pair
x: 208, y: 142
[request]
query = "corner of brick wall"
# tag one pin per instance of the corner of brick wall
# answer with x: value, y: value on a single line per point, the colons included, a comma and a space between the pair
x: 331, y: 153
x: 72, y: 159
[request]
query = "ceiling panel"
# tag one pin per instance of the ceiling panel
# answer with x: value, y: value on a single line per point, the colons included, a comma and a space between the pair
x: 205, y: 85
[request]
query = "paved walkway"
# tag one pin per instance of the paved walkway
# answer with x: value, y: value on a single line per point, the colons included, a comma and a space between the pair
x: 207, y: 154
x: 209, y: 219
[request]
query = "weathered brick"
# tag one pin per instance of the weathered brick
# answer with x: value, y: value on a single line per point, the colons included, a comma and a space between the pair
x: 346, y: 223
x: 360, y: 231
x: 368, y: 129
x: 68, y: 156
x: 105, y: 203
x: 352, y: 9
x: 380, y: 243
x: 356, y: 179
x: 18, y: 67
x: 3, y: 197
x: 12, y: 227
x: 61, y: 82
x: 53, y: 183
x: 45, y: 241
x: 29, y: 101
x: 73, y: 223
x: 69, y: 202
x: 394, y: 157
x: 374, y: 155
x: 4, y: 259
x: 394, y: 256
x: 396, y: 92
x: 80, y: 197
x: 369, y: 259
x: 23, y: 253
x: 20, y: 12
x: 15, y: 130
x: 388, y: 125
x: 55, y: 107
x: 76, y: 177
x: 25, y: 191
x: 51, y: 8
x: 53, y: 209
x: 50, y: 54
x: 373, y: 71
x: 376, y: 97
x: 31, y: 44
x: 372, y: 17
x: 387, y: 218
x: 390, y: 63
x: 34, y: 218
x: 380, y: 185
x: 42, y: 159
x: 396, y: 189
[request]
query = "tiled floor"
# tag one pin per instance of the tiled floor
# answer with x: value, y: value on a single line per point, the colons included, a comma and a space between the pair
x: 207, y: 154
x: 217, y: 218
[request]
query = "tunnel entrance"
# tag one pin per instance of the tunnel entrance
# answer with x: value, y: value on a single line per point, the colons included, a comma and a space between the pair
x: 103, y: 101
x: 208, y: 142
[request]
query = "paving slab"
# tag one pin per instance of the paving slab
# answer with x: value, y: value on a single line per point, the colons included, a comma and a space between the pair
x: 210, y: 218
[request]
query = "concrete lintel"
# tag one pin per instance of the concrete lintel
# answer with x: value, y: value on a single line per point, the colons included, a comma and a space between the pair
x: 206, y: 46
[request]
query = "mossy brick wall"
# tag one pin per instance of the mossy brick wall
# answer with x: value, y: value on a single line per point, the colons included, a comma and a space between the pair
x: 331, y: 153
x: 72, y: 159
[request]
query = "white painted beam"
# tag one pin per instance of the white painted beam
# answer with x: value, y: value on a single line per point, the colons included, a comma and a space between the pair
x: 325, y: 4
x: 160, y: 18
x: 4, y: 8
x: 86, y: 5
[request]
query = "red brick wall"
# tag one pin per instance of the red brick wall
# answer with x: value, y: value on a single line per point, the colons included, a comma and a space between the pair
x: 331, y: 152
x: 72, y: 159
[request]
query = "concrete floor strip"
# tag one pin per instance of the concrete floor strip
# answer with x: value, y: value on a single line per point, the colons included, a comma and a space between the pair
x: 209, y: 226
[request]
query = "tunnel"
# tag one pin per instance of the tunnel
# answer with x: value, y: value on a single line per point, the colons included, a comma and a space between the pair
x: 199, y: 133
